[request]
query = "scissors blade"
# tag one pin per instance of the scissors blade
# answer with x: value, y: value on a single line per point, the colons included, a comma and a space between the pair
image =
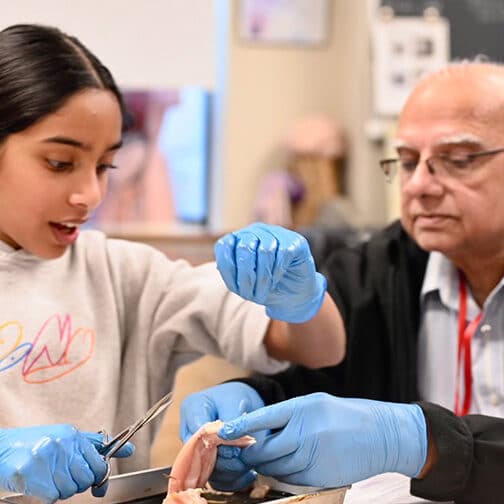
x: 116, y: 443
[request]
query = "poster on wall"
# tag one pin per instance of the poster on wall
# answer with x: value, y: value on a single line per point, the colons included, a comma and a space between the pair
x: 284, y: 22
x: 404, y: 49
x: 162, y: 175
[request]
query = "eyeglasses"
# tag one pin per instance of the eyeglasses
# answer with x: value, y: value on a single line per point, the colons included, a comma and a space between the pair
x: 441, y: 165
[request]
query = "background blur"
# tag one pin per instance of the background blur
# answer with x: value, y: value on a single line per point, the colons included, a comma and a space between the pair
x: 276, y: 110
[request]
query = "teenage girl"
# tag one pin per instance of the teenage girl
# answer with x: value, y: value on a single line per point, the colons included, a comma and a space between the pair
x: 94, y: 329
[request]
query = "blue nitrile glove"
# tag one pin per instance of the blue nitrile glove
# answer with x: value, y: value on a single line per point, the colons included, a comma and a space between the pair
x: 51, y: 462
x: 328, y: 441
x: 222, y: 402
x: 274, y: 267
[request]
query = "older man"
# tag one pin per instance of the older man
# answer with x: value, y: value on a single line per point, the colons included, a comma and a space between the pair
x: 421, y: 304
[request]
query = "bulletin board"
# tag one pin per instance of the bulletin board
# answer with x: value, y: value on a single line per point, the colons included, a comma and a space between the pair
x: 405, y: 49
x: 476, y: 26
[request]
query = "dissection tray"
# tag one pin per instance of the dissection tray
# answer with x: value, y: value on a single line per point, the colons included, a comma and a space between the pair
x: 149, y: 487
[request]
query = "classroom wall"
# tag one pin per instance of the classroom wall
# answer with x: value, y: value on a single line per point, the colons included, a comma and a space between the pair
x: 150, y: 43
x: 269, y: 88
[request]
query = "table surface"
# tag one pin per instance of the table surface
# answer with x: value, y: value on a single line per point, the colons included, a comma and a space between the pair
x: 390, y: 488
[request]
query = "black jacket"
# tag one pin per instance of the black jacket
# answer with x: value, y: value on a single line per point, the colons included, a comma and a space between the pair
x: 376, y: 286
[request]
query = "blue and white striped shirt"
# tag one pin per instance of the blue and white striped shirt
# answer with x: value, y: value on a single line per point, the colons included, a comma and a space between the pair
x: 438, y: 341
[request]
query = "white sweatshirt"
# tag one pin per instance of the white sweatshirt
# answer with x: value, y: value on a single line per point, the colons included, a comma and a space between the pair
x: 95, y: 337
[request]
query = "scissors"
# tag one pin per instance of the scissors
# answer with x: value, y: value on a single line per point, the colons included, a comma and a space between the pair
x: 112, y: 446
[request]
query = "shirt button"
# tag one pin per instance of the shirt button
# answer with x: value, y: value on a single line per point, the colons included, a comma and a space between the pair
x: 486, y: 328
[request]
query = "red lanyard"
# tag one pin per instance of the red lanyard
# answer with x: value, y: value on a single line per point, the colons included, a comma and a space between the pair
x: 465, y: 334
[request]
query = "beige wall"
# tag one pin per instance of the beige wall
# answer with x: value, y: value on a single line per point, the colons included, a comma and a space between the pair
x: 268, y: 88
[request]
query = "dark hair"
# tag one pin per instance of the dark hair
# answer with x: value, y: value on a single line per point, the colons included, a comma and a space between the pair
x: 40, y: 69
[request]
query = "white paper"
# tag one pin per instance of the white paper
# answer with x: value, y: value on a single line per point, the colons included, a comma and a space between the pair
x: 404, y: 50
x: 390, y: 488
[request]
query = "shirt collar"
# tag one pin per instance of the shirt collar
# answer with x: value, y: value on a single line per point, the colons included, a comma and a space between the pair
x: 5, y: 247
x: 442, y: 276
x: 7, y: 252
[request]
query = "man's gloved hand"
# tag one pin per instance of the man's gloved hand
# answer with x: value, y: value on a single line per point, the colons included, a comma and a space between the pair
x: 272, y: 266
x: 327, y: 441
x: 222, y: 402
x: 52, y: 462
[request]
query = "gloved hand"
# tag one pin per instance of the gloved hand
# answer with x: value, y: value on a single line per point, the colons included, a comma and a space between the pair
x: 222, y: 402
x: 272, y: 266
x: 328, y: 441
x: 52, y: 462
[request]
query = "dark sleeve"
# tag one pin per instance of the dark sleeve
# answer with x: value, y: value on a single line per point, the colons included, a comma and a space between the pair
x: 470, y: 466
x: 297, y: 381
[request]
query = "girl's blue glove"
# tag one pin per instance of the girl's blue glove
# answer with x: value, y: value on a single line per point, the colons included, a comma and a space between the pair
x: 52, y: 462
x: 222, y: 402
x: 274, y: 267
x: 326, y: 441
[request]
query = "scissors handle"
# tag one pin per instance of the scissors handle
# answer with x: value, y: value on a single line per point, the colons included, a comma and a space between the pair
x: 105, y: 477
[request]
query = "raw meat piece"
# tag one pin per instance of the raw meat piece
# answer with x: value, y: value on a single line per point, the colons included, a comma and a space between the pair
x: 196, y: 460
x: 259, y: 491
x: 189, y: 496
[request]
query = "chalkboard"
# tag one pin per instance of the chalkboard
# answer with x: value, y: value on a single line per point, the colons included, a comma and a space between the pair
x: 476, y: 26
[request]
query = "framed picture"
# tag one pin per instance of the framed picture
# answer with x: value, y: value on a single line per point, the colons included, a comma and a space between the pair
x: 405, y: 49
x: 284, y: 22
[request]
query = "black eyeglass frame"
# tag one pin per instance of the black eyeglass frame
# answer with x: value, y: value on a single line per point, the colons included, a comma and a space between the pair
x: 467, y: 159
